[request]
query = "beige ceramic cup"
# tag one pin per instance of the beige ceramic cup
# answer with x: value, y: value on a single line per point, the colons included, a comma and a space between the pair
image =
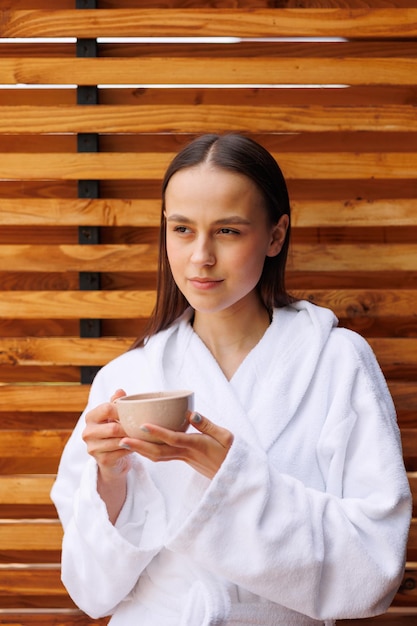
x: 163, y: 408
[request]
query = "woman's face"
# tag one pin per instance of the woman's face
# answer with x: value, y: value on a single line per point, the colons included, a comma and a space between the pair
x: 218, y: 236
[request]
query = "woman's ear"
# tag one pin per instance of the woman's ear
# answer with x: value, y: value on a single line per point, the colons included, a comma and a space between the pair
x: 278, y: 234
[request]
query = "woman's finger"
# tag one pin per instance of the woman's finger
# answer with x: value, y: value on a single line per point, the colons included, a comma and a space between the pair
x: 204, y: 425
x: 118, y: 394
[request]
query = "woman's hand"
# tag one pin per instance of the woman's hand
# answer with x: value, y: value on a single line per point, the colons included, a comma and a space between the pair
x: 204, y: 451
x: 102, y: 435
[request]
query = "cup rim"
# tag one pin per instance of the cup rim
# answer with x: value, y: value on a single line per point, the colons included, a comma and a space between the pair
x: 155, y: 396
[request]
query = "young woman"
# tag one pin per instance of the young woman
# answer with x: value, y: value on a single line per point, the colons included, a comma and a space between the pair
x: 286, y: 502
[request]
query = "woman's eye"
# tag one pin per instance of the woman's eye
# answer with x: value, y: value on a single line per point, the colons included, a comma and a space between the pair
x: 229, y: 231
x: 181, y: 229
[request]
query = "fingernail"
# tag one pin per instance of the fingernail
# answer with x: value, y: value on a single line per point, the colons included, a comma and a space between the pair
x: 144, y: 429
x: 196, y: 418
x: 124, y: 445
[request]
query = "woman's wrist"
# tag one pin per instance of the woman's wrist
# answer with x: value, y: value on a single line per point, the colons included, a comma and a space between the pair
x: 112, y: 489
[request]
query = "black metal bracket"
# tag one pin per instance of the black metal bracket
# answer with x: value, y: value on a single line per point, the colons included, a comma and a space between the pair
x: 88, y: 235
x: 86, y: 4
x: 87, y: 94
x: 87, y: 48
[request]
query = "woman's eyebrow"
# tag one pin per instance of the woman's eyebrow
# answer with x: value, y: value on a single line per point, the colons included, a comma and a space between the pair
x: 178, y: 218
x: 231, y: 219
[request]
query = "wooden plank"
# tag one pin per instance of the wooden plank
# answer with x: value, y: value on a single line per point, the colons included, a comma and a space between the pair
x: 276, y: 143
x: 101, y: 212
x: 35, y: 580
x: 34, y: 374
x: 26, y: 489
x: 212, y: 22
x: 319, y: 142
x: 14, y: 48
x: 408, y: 435
x: 45, y: 420
x: 51, y: 351
x: 45, y: 97
x: 48, y: 443
x: 76, y: 304
x: 84, y: 166
x: 46, y: 351
x: 17, y: 510
x: 302, y: 96
x: 36, y: 535
x: 309, y: 257
x: 218, y: 48
x: 71, y: 397
x: 412, y: 479
x: 346, y: 303
x: 216, y: 71
x: 412, y: 537
x: 224, y: 48
x: 152, y: 166
x: 47, y: 398
x: 35, y: 489
x: 232, y: 4
x: 59, y: 4
x: 307, y: 213
x: 46, y: 535
x: 407, y: 593
x: 356, y: 303
x: 31, y: 580
x: 29, y: 465
x: 55, y: 398
x: 352, y: 212
x: 38, y: 144
x: 79, y: 258
x: 47, y: 617
x: 395, y: 352
x: 28, y: 603
x: 203, y: 118
x: 249, y: 4
x: 405, y: 399
x: 181, y: 96
x: 357, y: 257
x: 363, y: 4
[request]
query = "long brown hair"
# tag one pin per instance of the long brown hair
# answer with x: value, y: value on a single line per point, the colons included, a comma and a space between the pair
x: 239, y: 154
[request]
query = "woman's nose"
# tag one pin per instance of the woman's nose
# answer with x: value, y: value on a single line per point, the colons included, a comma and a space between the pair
x: 203, y: 252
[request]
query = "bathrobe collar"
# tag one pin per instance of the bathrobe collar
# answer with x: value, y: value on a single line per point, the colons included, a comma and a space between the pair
x: 291, y: 345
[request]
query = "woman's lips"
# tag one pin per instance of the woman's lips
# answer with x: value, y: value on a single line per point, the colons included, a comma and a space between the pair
x: 205, y: 283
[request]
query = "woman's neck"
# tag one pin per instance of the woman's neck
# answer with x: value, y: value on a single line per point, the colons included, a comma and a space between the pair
x: 231, y: 335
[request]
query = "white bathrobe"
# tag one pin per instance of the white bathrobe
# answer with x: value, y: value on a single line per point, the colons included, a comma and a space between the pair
x: 305, y: 522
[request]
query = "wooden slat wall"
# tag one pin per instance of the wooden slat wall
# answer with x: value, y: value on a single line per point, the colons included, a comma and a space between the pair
x: 347, y: 145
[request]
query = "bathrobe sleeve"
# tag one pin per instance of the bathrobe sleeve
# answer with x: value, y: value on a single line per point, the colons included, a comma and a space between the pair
x: 330, y: 554
x: 101, y: 562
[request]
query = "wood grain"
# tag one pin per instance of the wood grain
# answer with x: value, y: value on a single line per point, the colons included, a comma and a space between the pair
x: 212, y: 22
x: 351, y: 212
x: 76, y: 304
x: 152, y: 166
x: 215, y: 71
x: 204, y: 118
x: 53, y: 398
